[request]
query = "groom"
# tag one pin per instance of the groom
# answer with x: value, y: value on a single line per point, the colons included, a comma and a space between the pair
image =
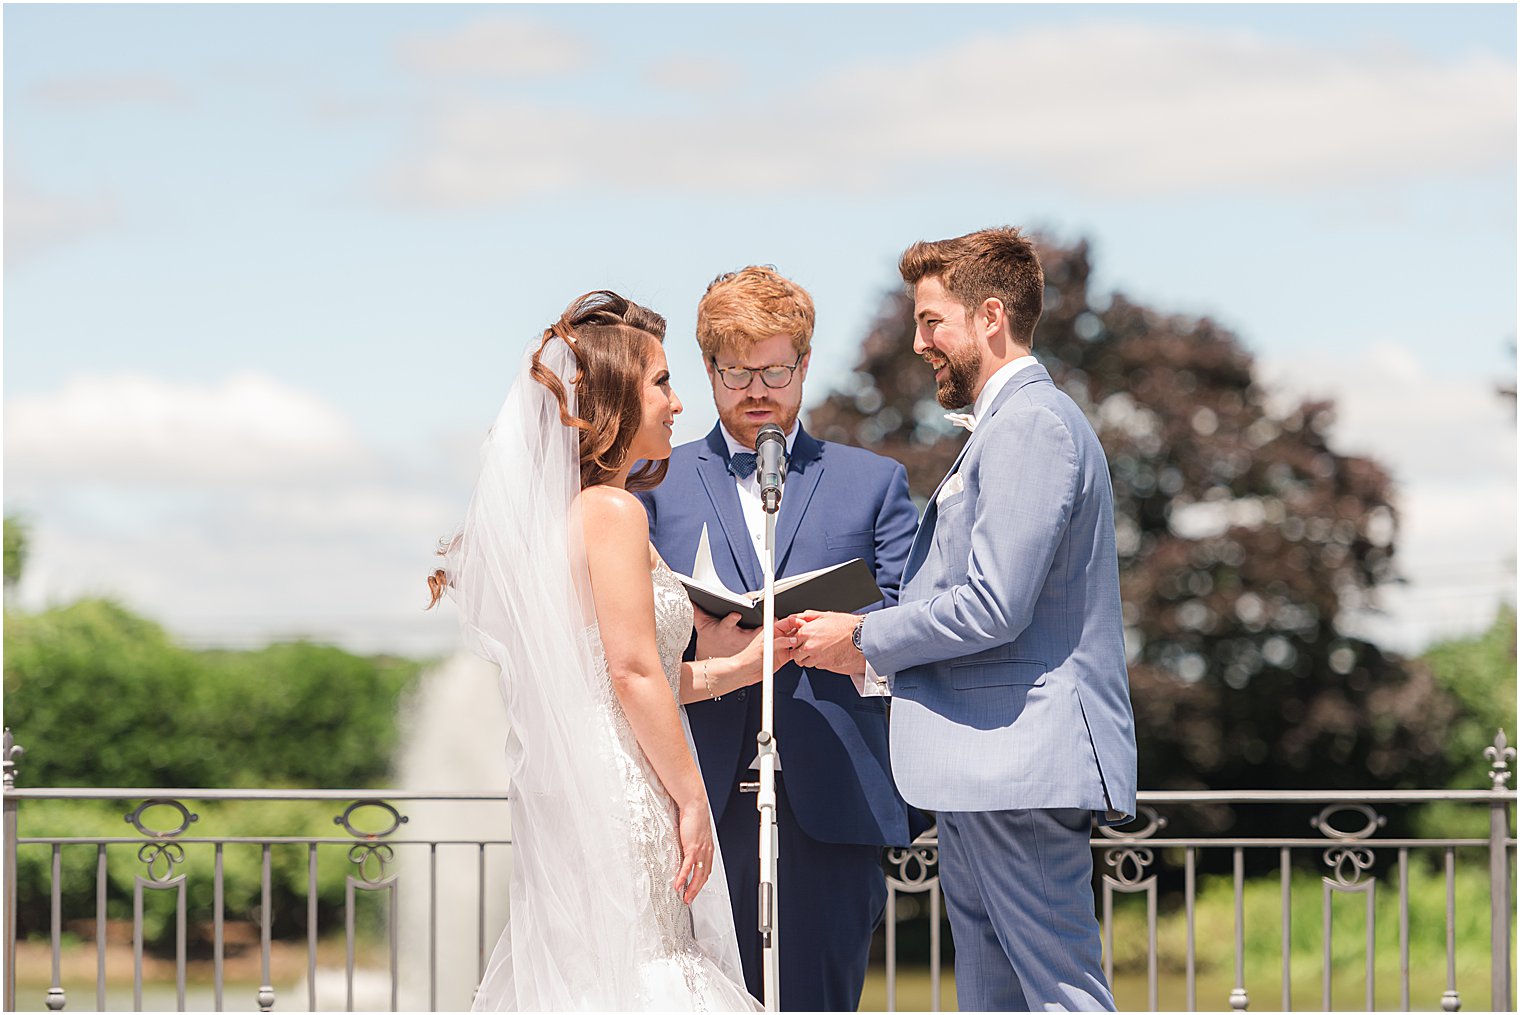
x: 1011, y: 716
x: 836, y: 804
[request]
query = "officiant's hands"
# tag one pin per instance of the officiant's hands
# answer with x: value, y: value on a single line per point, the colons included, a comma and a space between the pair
x: 824, y: 641
x: 720, y: 636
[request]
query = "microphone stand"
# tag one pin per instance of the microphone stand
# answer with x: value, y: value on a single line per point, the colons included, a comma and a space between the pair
x: 768, y: 758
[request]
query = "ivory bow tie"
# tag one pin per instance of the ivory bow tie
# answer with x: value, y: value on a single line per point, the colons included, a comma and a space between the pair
x: 964, y: 420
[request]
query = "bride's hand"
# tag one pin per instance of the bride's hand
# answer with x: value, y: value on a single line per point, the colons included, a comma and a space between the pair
x: 695, y: 831
x: 753, y: 655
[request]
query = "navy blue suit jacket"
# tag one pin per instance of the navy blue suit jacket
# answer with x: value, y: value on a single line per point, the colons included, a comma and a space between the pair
x: 839, y: 502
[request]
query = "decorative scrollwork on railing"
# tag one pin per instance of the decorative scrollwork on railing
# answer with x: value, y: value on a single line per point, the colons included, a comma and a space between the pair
x: 1154, y: 823
x: 10, y: 753
x: 361, y: 855
x: 915, y: 868
x: 1499, y: 756
x: 185, y: 818
x: 1350, y: 861
x: 397, y: 819
x: 170, y: 854
x: 1323, y: 824
x: 1131, y: 862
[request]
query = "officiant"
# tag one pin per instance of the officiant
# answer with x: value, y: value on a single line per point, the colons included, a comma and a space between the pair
x: 837, y: 805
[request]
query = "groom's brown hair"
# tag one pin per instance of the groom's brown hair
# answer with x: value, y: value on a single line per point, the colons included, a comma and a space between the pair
x: 996, y: 263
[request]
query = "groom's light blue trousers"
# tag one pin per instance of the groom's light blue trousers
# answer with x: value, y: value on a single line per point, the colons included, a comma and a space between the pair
x: 1018, y: 887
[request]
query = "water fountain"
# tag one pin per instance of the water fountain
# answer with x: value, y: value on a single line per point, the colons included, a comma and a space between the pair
x: 452, y: 734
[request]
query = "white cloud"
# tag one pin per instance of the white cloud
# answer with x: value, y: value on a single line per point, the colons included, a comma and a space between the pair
x: 1450, y: 445
x: 1109, y: 108
x: 136, y: 430
x: 35, y: 220
x: 1432, y: 427
x: 232, y: 512
x: 694, y: 75
x: 497, y: 47
x: 101, y: 90
x: 230, y: 575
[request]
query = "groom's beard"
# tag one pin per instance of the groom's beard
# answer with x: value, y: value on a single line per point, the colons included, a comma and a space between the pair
x: 958, y: 389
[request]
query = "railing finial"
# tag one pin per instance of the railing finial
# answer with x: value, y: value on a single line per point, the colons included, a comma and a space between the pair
x: 11, y: 752
x: 1499, y: 756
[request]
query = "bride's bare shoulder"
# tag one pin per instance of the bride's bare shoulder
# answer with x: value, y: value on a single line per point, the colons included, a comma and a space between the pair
x: 609, y: 511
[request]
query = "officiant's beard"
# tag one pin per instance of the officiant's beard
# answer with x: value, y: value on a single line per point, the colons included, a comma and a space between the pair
x: 745, y: 430
x: 958, y: 389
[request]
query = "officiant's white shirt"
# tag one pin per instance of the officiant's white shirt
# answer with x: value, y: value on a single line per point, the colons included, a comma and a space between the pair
x: 749, y: 489
x: 871, y: 685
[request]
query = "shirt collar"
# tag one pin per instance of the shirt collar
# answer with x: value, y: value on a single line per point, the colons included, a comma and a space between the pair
x: 734, y: 447
x: 997, y: 381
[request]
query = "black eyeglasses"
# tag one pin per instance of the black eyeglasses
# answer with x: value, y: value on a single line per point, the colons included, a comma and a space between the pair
x: 739, y: 378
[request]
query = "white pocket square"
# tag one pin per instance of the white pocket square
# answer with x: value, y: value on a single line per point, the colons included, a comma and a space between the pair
x: 952, y: 486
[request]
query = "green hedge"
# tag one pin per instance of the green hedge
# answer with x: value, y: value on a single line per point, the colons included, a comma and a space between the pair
x: 101, y: 697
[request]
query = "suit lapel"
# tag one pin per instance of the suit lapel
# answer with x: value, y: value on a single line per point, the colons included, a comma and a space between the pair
x: 921, y: 539
x: 925, y: 533
x: 1029, y: 375
x: 803, y: 470
x: 712, y: 467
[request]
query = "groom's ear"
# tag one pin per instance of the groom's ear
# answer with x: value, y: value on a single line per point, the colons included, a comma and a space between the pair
x: 991, y: 315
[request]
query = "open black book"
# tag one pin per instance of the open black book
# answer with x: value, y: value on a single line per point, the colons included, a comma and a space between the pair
x: 842, y: 588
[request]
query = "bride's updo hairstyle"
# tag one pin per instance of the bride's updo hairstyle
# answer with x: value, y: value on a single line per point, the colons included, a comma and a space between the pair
x: 609, y: 337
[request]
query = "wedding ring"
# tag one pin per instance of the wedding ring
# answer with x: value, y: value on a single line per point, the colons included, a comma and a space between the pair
x: 699, y: 865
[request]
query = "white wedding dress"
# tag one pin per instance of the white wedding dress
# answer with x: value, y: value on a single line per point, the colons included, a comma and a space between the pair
x: 593, y: 922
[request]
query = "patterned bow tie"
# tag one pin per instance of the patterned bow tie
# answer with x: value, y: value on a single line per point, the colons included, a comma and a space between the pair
x: 742, y: 464
x: 964, y: 420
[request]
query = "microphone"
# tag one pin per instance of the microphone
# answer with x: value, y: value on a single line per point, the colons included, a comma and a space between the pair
x: 770, y: 454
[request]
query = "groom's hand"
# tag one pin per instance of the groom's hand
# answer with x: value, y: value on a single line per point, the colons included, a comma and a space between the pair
x: 825, y: 641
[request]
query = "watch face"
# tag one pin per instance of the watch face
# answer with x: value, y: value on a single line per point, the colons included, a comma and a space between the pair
x: 855, y: 636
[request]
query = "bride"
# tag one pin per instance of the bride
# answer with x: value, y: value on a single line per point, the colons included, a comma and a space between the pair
x: 617, y: 897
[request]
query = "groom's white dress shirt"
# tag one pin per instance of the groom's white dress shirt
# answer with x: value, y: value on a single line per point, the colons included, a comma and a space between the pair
x: 995, y: 383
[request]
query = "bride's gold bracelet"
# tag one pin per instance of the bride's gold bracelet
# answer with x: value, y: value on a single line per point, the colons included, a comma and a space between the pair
x: 707, y: 682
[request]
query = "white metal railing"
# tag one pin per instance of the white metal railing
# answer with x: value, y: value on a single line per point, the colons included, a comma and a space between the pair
x: 372, y: 865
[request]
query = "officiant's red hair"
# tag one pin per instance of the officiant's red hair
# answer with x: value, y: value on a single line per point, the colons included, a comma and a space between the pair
x: 609, y: 337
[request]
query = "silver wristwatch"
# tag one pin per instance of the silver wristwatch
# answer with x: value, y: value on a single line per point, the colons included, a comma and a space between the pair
x: 860, y: 625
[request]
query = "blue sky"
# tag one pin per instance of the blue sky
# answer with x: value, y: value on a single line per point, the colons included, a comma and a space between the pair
x: 269, y: 268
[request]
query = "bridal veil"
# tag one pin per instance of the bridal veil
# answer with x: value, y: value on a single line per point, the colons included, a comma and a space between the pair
x: 578, y: 922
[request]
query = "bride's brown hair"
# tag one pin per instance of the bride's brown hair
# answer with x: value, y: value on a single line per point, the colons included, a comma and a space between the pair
x: 609, y: 338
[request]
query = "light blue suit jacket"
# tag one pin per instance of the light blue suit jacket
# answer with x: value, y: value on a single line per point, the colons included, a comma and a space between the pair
x: 1009, y: 683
